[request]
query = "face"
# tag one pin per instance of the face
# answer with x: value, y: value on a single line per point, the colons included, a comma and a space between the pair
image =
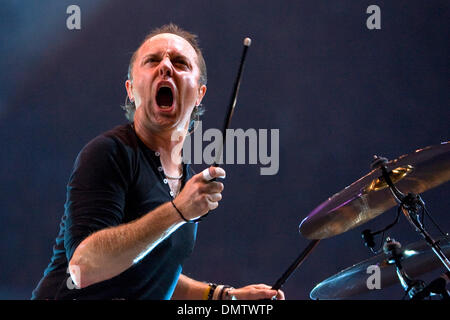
x: 165, y: 83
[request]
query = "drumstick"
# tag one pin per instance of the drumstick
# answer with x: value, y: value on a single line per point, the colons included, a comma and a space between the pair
x: 232, y: 105
x: 305, y: 253
x: 237, y: 83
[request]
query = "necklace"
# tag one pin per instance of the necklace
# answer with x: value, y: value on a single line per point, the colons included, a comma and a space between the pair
x: 175, y: 178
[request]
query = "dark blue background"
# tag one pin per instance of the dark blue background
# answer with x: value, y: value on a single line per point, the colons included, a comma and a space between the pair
x: 338, y: 92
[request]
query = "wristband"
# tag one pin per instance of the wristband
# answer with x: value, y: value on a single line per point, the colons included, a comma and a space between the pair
x: 182, y: 217
x: 227, y: 295
x: 221, y: 296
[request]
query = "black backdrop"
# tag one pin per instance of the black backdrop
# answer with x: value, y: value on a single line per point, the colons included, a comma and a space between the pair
x: 337, y: 92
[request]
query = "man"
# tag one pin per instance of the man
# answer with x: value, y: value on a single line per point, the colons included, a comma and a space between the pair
x: 132, y: 205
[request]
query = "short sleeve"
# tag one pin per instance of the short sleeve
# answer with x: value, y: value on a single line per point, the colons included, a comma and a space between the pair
x: 96, y: 191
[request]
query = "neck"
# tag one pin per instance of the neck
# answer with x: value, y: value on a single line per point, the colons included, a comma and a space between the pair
x: 168, y: 143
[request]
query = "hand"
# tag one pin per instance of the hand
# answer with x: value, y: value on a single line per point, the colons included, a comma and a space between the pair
x: 256, y: 292
x: 199, y: 195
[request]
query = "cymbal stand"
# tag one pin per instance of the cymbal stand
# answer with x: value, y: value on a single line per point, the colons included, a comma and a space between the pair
x: 411, y: 286
x: 435, y: 287
x: 411, y: 205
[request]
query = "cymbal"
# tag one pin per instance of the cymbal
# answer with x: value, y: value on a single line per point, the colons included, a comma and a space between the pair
x: 370, y: 196
x: 418, y: 259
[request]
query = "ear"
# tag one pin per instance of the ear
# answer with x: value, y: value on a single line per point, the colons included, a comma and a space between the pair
x: 201, y: 94
x: 128, y: 87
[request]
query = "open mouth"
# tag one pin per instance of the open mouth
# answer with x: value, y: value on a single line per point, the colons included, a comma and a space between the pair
x: 164, y: 97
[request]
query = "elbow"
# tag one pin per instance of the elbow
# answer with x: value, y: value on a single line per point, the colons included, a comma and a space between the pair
x: 85, y: 270
x: 80, y: 273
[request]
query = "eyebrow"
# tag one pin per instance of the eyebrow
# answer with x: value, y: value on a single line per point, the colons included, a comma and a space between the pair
x: 173, y: 56
x: 150, y: 55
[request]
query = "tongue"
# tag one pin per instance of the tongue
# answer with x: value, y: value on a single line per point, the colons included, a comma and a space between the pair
x: 164, y: 97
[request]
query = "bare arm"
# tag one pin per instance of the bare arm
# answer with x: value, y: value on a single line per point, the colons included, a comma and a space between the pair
x: 189, y: 289
x: 110, y: 251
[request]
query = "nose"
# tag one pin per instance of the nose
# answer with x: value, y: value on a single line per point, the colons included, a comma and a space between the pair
x: 165, y: 67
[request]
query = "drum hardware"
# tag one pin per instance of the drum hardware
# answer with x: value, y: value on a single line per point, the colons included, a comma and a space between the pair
x: 436, y: 287
x: 368, y: 236
x: 415, y: 289
x: 410, y: 285
x: 413, y: 261
x: 372, y: 195
x: 413, y: 208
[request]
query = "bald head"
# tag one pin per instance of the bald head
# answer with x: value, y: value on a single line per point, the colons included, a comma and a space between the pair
x: 187, y: 36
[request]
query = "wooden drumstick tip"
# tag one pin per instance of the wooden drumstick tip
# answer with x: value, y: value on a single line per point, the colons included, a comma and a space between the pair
x: 247, y: 42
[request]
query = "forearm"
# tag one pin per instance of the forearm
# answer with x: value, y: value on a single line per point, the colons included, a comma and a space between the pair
x: 189, y: 289
x: 109, y: 252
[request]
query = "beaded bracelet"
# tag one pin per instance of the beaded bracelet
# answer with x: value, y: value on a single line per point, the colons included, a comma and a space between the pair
x: 212, y: 288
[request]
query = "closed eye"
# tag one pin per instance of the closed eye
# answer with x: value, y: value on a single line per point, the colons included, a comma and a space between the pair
x: 151, y: 60
x: 181, y: 63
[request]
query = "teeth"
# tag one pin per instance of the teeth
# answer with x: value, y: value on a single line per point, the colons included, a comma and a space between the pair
x: 164, y: 107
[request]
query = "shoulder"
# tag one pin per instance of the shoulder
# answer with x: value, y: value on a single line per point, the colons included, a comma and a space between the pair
x: 118, y: 141
x: 114, y: 148
x: 109, y: 156
x: 122, y: 135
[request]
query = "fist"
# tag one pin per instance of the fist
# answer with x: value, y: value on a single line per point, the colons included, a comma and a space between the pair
x: 200, y: 195
x: 256, y: 292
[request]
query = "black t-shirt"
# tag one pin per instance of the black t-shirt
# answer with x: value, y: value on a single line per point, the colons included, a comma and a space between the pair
x: 117, y: 179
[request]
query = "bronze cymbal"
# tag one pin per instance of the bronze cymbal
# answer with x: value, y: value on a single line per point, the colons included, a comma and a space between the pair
x: 370, y: 196
x: 418, y: 259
